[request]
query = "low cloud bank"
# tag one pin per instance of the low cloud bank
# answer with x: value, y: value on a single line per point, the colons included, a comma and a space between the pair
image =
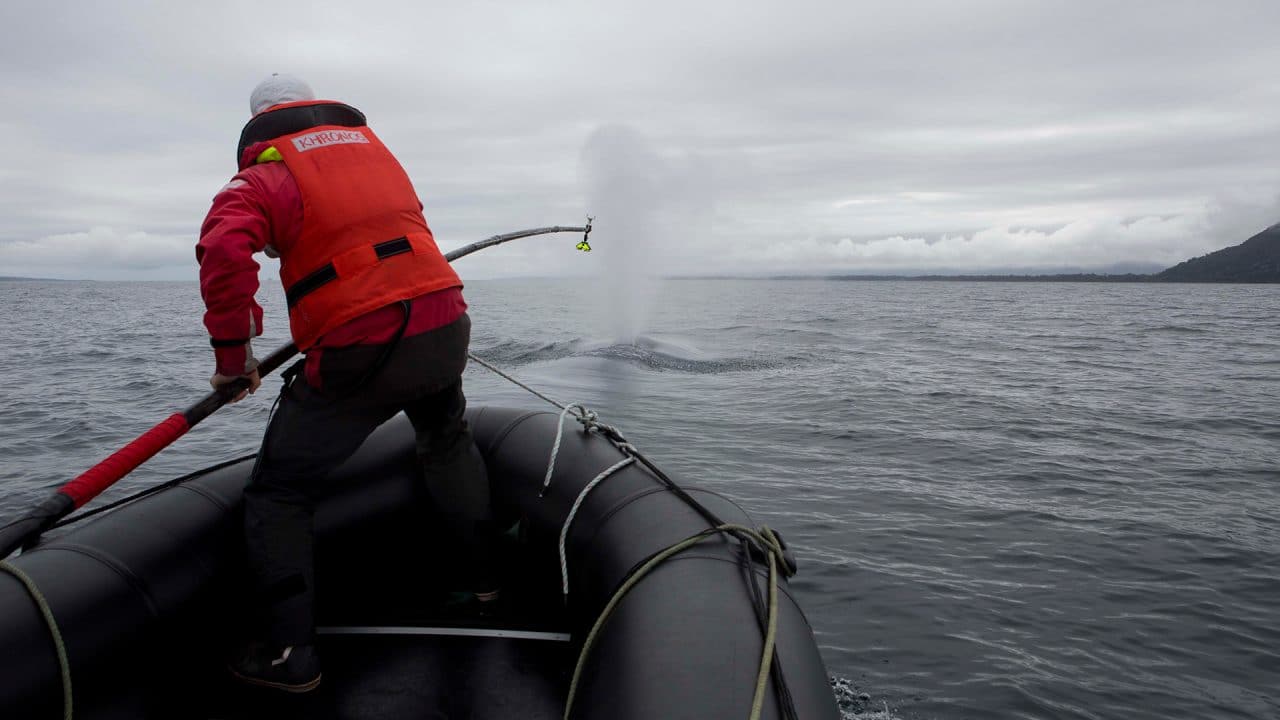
x: 1084, y: 243
x: 1087, y: 244
x: 101, y: 253
x: 644, y: 230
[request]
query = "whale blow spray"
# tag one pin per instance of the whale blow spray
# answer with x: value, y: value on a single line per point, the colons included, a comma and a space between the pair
x: 629, y: 191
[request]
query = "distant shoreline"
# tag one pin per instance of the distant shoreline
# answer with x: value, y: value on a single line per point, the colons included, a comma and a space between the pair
x: 1072, y: 277
x: 1255, y: 261
x: 1067, y: 278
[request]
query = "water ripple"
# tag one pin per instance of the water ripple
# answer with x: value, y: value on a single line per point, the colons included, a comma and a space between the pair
x: 1008, y: 500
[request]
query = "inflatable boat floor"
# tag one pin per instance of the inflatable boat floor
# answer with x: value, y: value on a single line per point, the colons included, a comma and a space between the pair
x: 388, y: 677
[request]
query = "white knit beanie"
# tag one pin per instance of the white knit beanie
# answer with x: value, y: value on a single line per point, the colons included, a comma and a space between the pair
x: 278, y: 89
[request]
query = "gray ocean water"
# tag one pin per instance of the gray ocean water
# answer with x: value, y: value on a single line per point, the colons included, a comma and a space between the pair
x: 1022, y: 500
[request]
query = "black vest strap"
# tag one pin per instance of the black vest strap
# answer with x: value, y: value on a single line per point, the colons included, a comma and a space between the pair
x: 327, y: 273
x: 286, y: 121
x: 231, y: 342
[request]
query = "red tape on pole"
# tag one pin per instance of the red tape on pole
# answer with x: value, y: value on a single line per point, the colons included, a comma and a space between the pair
x: 99, y: 477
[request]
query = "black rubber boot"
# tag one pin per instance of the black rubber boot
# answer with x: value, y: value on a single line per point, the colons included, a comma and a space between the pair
x: 471, y: 605
x: 294, y: 669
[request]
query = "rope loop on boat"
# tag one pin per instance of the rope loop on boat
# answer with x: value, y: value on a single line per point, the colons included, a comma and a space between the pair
x: 584, y: 416
x: 590, y: 422
x: 573, y: 511
x: 60, y: 649
x: 588, y: 418
x: 763, y: 539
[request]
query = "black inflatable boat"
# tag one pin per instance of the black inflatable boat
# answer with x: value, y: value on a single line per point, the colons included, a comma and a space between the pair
x: 148, y: 600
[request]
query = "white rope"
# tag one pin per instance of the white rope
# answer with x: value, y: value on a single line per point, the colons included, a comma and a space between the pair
x: 590, y: 422
x: 568, y: 521
x: 586, y: 417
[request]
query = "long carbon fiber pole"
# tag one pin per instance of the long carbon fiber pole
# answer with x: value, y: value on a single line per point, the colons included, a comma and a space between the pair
x: 26, y: 530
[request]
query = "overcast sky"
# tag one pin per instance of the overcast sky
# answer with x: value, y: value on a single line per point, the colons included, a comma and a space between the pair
x: 707, y: 136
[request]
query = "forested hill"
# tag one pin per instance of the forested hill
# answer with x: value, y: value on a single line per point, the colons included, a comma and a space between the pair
x: 1256, y: 260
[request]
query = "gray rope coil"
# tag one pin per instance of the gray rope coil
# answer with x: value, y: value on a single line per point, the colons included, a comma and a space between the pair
x: 765, y: 539
x: 64, y: 665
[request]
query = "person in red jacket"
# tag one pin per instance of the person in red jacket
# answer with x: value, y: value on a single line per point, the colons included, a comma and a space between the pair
x: 380, y: 316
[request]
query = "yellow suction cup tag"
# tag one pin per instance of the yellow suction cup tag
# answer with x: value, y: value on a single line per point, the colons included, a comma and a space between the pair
x: 584, y: 246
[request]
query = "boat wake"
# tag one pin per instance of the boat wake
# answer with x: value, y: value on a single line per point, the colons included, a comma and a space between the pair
x: 654, y: 353
x: 855, y: 705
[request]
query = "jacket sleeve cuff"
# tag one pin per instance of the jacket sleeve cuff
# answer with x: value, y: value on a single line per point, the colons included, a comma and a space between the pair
x: 235, y: 360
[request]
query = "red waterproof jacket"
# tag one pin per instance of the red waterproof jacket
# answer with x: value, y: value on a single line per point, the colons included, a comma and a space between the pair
x: 262, y: 208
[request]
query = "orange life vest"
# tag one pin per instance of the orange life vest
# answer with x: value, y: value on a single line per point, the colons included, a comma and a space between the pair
x: 364, y: 243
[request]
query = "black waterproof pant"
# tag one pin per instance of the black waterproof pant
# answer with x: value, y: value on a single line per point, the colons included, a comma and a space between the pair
x: 316, y: 429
